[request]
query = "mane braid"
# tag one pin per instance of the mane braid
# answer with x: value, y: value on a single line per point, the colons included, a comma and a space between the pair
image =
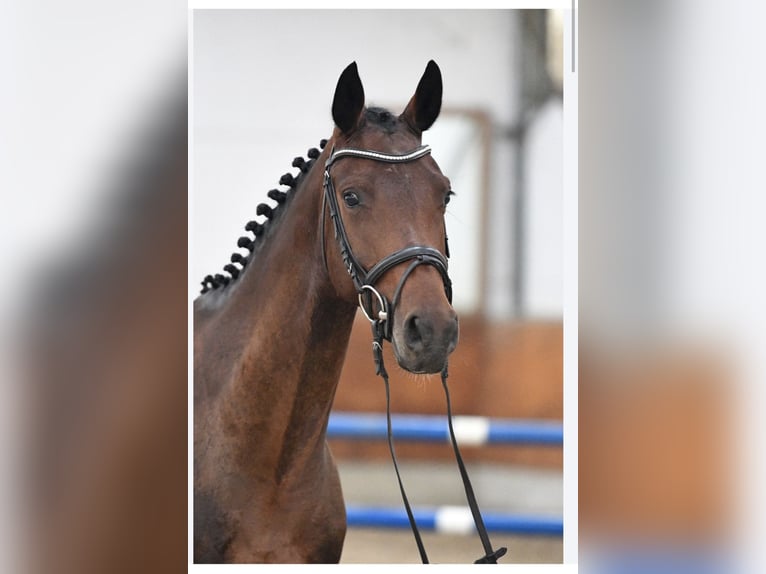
x: 262, y: 230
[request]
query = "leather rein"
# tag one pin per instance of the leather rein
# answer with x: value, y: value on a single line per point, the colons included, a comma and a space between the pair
x: 381, y: 322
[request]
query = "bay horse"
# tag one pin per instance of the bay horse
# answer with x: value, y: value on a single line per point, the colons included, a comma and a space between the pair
x: 271, y: 336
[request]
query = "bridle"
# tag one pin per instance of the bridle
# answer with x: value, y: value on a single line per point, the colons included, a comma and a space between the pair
x: 364, y: 282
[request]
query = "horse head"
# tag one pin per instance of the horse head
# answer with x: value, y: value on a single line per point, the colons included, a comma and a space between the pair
x: 387, y: 198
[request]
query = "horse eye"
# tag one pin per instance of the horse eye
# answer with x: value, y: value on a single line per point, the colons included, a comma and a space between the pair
x: 351, y: 199
x: 447, y: 197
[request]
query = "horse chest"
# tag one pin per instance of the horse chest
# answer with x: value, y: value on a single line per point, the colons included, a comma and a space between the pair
x: 301, y: 535
x: 300, y: 519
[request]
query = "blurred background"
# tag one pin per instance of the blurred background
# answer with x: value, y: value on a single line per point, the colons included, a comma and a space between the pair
x: 671, y: 284
x: 93, y: 329
x: 262, y: 88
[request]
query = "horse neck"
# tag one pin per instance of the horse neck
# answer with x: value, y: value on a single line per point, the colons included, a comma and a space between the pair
x: 288, y: 331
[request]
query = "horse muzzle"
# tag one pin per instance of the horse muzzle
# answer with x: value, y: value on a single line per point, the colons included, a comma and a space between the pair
x: 423, y: 341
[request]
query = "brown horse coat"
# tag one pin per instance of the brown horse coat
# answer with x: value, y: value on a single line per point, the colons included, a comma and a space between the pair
x: 269, y: 346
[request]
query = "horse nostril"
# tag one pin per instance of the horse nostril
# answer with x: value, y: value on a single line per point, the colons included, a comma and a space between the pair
x: 416, y: 333
x: 422, y: 343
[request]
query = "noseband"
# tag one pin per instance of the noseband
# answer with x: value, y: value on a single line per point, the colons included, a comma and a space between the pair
x: 364, y: 280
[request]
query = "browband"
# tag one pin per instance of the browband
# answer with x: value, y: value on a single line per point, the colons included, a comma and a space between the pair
x: 376, y: 155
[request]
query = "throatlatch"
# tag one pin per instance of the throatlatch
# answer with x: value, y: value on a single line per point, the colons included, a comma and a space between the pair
x: 382, y: 321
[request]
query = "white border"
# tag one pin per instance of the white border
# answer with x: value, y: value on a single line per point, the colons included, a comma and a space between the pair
x: 390, y: 5
x: 570, y: 253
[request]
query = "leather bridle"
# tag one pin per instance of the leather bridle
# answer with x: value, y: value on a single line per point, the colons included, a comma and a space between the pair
x: 364, y: 282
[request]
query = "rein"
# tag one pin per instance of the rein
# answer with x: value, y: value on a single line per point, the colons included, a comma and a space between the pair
x: 364, y: 281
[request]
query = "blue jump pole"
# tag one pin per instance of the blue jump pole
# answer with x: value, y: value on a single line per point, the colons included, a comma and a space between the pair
x: 454, y: 520
x: 468, y: 430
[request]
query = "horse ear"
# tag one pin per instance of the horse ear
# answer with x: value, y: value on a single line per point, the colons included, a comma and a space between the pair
x: 349, y: 99
x: 424, y: 107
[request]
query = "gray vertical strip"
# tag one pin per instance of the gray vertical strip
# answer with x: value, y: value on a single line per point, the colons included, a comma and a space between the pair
x: 573, y: 36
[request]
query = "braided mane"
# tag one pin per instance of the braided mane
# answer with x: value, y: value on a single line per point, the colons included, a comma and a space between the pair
x: 379, y: 117
x: 271, y: 213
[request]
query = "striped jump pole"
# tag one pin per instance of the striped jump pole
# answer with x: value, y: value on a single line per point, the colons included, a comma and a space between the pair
x: 453, y: 520
x: 469, y: 430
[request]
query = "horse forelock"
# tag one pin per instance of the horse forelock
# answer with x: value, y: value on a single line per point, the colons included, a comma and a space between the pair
x: 382, y: 118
